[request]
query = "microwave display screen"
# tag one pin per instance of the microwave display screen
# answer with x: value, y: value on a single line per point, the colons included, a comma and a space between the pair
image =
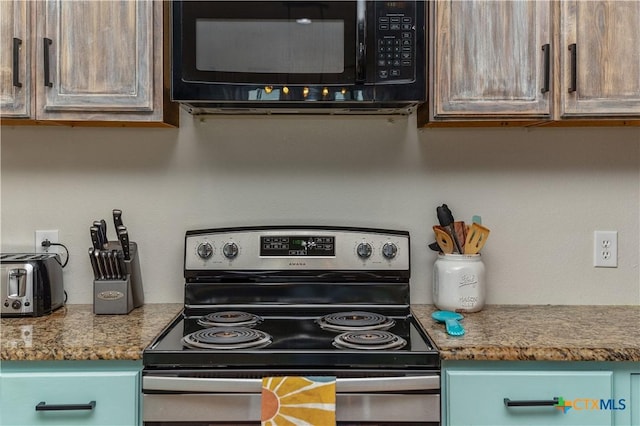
x: 278, y: 46
x: 398, y: 5
x: 297, y: 246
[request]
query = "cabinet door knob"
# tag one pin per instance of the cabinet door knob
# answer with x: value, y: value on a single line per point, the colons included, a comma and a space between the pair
x: 43, y: 406
x: 531, y: 402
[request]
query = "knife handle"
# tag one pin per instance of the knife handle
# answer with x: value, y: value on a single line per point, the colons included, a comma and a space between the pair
x: 107, y: 267
x: 117, y: 267
x: 122, y: 265
x: 101, y: 273
x: 95, y: 237
x: 101, y: 236
x: 123, y: 236
x: 94, y: 264
x: 103, y: 227
x: 117, y: 218
x: 112, y: 272
x: 113, y: 258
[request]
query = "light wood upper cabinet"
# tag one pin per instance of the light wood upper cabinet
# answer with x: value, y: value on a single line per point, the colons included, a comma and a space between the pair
x: 533, y: 62
x: 15, y: 58
x: 98, y: 62
x: 100, y: 56
x: 488, y: 58
x: 605, y: 40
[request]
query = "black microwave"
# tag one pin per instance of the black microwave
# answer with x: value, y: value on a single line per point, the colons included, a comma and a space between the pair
x: 298, y: 56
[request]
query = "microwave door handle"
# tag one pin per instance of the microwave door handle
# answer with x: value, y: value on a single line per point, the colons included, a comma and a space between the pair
x: 361, y: 34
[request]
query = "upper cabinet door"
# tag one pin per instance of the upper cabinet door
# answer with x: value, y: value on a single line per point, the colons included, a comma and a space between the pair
x: 491, y: 58
x: 96, y: 56
x: 600, y: 41
x: 15, y: 58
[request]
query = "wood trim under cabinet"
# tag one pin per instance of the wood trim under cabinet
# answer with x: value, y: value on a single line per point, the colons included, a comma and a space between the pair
x: 170, y: 110
x: 574, y: 122
x: 71, y: 123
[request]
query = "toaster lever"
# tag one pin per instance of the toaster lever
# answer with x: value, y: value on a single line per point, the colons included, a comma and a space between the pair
x: 17, y: 282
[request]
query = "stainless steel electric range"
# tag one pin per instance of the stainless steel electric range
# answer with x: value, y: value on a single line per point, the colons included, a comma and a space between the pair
x: 293, y: 301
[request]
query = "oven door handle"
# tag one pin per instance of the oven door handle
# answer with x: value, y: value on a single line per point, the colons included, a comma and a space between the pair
x: 343, y: 385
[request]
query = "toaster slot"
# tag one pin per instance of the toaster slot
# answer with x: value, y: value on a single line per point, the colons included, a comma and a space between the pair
x: 17, y: 282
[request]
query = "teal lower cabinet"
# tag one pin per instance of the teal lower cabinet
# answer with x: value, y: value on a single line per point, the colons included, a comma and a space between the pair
x: 635, y: 397
x: 539, y: 393
x: 70, y: 393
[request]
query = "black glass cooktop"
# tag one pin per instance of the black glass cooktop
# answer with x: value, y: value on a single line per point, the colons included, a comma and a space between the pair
x: 297, y: 341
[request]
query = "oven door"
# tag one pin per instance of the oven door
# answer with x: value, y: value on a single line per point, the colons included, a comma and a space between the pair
x: 405, y: 400
x: 218, y: 43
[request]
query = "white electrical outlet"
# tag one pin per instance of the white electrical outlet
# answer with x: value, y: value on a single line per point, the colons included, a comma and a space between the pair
x: 605, y: 249
x: 51, y: 235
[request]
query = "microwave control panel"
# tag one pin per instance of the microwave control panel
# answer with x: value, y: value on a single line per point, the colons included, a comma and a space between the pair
x: 396, y: 40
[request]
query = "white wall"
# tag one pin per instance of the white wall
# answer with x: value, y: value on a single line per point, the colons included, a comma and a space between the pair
x: 541, y: 191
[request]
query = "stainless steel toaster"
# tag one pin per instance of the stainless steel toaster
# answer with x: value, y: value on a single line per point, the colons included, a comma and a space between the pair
x: 30, y: 284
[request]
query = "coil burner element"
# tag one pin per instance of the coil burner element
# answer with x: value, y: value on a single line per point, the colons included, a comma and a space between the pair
x: 227, y: 338
x: 368, y: 340
x: 355, y: 320
x: 229, y: 318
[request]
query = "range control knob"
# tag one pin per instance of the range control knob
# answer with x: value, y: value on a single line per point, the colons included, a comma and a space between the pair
x: 230, y: 250
x: 364, y: 250
x: 389, y: 250
x: 16, y: 304
x: 205, y: 250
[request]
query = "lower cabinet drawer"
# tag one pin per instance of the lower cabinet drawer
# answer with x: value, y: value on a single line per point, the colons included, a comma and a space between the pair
x: 529, y: 398
x: 70, y: 398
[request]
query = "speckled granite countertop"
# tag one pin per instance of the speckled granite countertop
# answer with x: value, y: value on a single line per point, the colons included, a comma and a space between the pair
x: 540, y: 332
x: 498, y: 332
x: 73, y: 332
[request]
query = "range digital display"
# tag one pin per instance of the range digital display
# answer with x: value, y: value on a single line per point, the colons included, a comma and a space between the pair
x: 297, y: 246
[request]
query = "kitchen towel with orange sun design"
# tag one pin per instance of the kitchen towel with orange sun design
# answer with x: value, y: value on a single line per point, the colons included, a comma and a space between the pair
x: 291, y: 400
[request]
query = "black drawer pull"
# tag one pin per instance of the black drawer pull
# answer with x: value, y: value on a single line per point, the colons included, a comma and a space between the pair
x: 16, y: 62
x: 47, y: 79
x: 65, y: 407
x: 573, y: 76
x: 546, y: 52
x: 531, y: 402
